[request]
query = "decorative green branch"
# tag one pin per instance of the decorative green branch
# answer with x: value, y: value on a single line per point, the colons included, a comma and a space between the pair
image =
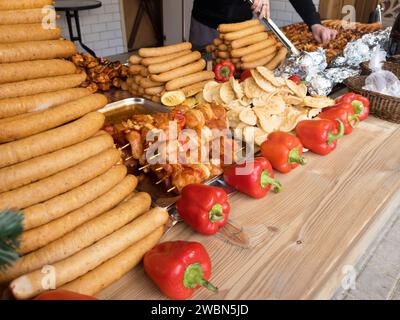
x: 11, y: 227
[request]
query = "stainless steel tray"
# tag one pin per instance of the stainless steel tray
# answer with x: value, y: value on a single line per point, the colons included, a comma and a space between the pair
x: 122, y: 110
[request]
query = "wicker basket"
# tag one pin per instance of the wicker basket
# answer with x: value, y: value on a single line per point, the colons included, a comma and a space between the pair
x: 382, y: 106
x: 389, y: 66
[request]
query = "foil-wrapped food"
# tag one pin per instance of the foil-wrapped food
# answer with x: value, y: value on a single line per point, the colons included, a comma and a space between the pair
x: 321, y: 77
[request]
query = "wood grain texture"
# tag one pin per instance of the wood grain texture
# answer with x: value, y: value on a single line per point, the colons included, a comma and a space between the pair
x: 301, y: 238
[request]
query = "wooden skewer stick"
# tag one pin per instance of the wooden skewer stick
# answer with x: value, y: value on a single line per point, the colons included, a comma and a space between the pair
x: 155, y: 156
x: 159, y: 169
x: 144, y: 167
x: 172, y: 189
x: 124, y: 147
x: 129, y: 158
x: 162, y: 180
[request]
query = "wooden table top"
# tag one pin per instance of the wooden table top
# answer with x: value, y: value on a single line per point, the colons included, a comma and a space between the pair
x: 300, y: 241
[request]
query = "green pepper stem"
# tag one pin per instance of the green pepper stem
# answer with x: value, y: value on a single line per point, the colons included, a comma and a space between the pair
x: 209, y: 286
x: 225, y: 72
x: 216, y: 213
x: 355, y: 118
x: 267, y: 180
x: 333, y: 137
x: 194, y: 276
x: 295, y: 157
x: 358, y: 107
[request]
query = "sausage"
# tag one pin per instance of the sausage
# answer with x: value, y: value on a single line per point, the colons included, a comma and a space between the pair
x: 81, y: 237
x: 156, y: 99
x: 28, y: 32
x: 38, y: 102
x: 253, y: 39
x: 36, y: 50
x: 223, y: 47
x: 23, y: 16
x: 238, y: 53
x: 223, y: 54
x: 79, y: 199
x: 61, y: 182
x: 160, y: 51
x: 190, y: 79
x: 257, y: 63
x: 210, y: 48
x: 155, y: 60
x: 71, y: 268
x: 51, y: 118
x: 28, y: 70
x: 217, y: 42
x: 24, y: 4
x: 101, y: 277
x: 147, y: 83
x: 39, y: 237
x: 36, y: 86
x: 23, y: 173
x: 175, y: 63
x: 277, y: 60
x: 259, y: 54
x: 243, y: 33
x: 180, y: 72
x: 232, y: 27
x: 52, y: 140
x: 136, y: 69
x: 144, y: 72
x: 154, y: 91
x: 194, y: 89
x: 135, y: 59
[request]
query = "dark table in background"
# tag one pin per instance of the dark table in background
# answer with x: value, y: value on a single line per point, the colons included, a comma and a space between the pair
x: 71, y: 9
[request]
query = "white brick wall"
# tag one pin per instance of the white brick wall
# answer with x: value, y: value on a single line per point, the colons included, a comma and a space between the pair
x: 101, y: 28
x: 283, y: 13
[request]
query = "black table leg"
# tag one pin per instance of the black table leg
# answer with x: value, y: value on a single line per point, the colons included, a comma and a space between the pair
x: 75, y: 14
x: 78, y: 29
x: 138, y: 19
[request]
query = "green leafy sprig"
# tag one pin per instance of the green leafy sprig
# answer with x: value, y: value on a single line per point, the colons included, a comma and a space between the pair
x: 11, y: 228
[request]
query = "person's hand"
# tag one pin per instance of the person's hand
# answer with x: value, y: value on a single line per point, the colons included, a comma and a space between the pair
x: 261, y: 8
x: 323, y: 34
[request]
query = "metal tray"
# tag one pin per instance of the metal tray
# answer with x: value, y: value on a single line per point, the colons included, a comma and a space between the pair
x: 122, y: 110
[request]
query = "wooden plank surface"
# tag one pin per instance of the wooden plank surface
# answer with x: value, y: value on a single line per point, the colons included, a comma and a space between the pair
x: 300, y: 239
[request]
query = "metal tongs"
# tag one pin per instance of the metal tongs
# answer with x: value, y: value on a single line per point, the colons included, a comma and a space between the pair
x: 278, y: 32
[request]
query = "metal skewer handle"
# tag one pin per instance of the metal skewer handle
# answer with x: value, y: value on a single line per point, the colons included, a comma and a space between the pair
x: 278, y: 32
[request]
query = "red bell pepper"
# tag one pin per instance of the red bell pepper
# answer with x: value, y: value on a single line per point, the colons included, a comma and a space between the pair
x: 284, y: 151
x: 255, y: 184
x: 204, y: 208
x: 361, y: 105
x: 345, y: 113
x: 224, y: 71
x: 320, y: 136
x: 296, y: 79
x: 245, y: 75
x: 178, y: 268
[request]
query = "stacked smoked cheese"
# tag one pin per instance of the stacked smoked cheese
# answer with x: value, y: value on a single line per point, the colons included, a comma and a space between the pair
x: 81, y: 216
x: 158, y: 70
x: 248, y: 45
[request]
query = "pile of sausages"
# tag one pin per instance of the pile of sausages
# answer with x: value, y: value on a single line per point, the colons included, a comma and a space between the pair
x: 175, y: 67
x: 248, y: 45
x: 63, y: 172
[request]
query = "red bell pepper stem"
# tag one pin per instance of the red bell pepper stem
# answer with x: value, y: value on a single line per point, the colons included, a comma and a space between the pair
x: 194, y: 276
x: 333, y: 137
x: 267, y: 180
x: 358, y: 107
x: 295, y: 157
x: 353, y: 118
x: 216, y: 213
